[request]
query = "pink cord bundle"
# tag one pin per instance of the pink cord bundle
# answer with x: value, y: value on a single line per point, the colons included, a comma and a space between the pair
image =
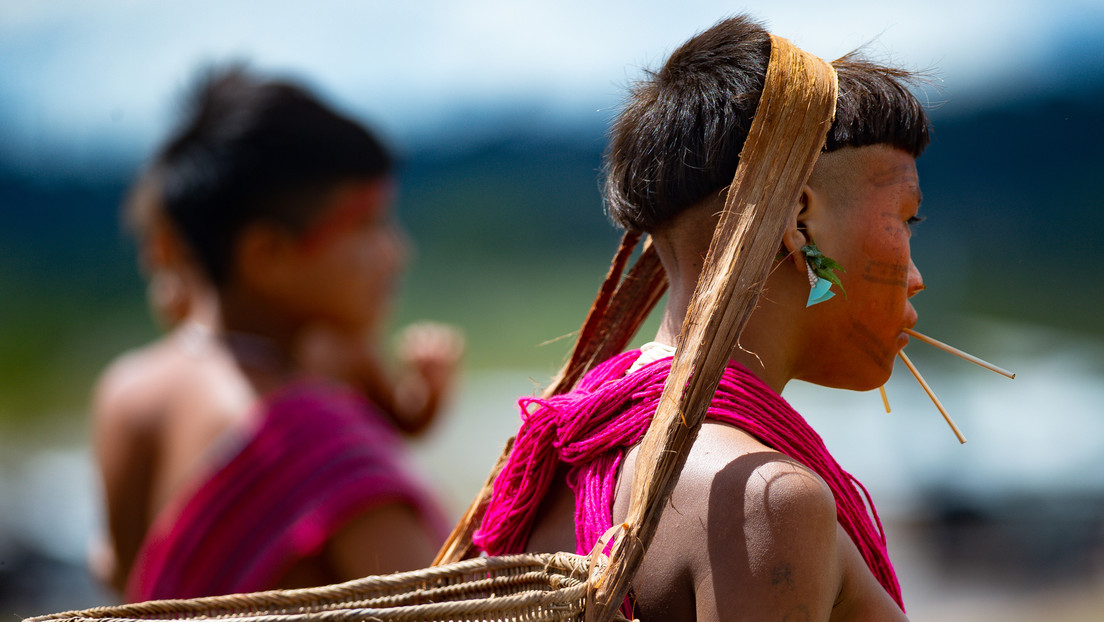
x: 591, y: 427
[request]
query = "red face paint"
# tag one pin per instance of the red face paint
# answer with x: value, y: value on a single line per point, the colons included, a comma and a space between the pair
x: 351, y: 207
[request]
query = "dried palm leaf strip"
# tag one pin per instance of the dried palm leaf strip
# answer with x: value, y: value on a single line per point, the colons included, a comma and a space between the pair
x: 785, y: 139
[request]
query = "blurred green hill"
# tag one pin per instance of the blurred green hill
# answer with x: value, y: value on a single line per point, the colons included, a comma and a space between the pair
x: 511, y: 242
x: 1011, y: 193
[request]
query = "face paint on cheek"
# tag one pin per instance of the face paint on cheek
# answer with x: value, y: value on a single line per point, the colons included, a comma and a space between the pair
x: 886, y: 273
x: 869, y: 344
x: 894, y: 228
x: 356, y: 204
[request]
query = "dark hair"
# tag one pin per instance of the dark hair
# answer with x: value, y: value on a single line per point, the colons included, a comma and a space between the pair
x: 250, y: 149
x: 679, y: 136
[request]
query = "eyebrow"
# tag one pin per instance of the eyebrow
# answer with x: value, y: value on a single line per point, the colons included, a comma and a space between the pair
x: 893, y: 175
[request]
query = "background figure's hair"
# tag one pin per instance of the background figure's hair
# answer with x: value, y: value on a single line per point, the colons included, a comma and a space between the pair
x: 252, y: 149
x: 679, y: 136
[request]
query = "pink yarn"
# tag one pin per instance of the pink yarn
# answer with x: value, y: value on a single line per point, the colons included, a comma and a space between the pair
x: 591, y: 427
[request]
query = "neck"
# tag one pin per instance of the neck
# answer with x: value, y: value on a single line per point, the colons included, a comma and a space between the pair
x: 260, y: 339
x: 204, y: 309
x: 767, y: 343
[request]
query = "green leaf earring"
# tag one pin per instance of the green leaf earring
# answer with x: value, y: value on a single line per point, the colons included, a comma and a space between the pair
x: 822, y: 274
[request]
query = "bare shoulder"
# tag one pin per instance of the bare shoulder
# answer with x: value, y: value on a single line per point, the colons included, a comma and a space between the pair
x: 765, y: 487
x: 137, y: 387
x: 748, y: 530
x: 730, y: 473
x: 126, y: 425
x: 155, y: 412
x: 127, y: 388
x: 152, y: 398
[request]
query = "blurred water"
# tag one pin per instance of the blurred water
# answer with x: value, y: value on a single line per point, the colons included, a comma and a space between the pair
x: 49, y: 511
x: 1008, y: 526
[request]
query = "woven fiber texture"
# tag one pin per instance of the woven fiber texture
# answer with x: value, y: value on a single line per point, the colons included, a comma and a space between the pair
x: 529, y: 587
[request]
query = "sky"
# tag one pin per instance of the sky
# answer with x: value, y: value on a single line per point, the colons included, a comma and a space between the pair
x: 81, y: 78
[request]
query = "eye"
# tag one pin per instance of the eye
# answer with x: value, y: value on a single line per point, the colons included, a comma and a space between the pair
x: 912, y: 222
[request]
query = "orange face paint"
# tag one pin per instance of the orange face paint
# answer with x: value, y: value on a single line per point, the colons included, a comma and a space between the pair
x: 351, y: 206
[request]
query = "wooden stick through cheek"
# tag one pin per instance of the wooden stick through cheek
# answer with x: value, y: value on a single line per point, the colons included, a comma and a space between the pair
x: 959, y: 353
x: 885, y: 398
x: 931, y: 394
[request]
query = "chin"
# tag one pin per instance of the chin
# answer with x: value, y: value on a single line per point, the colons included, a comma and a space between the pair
x: 857, y: 380
x: 868, y: 386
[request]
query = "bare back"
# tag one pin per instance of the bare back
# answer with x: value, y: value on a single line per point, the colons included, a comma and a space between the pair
x: 165, y: 414
x: 156, y: 414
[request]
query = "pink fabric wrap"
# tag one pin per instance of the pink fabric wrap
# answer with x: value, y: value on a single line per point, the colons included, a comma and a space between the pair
x: 592, y: 427
x: 320, y: 456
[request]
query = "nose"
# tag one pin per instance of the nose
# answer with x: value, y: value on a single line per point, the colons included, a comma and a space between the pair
x: 915, y: 280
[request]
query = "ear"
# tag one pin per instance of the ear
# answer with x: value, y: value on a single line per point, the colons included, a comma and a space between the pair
x: 809, y: 222
x: 796, y: 235
x: 160, y: 247
x: 264, y: 257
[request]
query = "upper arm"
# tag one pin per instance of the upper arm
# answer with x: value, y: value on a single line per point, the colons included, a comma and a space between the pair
x: 772, y: 543
x: 124, y: 443
x: 863, y: 599
x: 387, y: 538
x: 748, y: 535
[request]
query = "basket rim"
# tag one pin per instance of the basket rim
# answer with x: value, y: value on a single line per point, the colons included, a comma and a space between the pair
x: 326, y: 602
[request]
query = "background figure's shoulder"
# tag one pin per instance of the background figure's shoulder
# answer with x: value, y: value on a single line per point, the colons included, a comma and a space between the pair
x: 131, y: 385
x: 174, y: 374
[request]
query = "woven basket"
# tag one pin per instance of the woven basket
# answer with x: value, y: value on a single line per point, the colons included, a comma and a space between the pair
x: 783, y: 142
x: 537, y: 587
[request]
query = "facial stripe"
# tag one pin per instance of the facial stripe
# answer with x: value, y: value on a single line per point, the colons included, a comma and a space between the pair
x: 886, y: 273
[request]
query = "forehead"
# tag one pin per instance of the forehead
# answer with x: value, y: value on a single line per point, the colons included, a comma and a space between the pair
x: 856, y: 172
x: 888, y: 169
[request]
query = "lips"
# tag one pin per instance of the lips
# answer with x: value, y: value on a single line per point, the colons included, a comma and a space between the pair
x: 902, y: 341
x: 910, y: 322
x: 911, y: 317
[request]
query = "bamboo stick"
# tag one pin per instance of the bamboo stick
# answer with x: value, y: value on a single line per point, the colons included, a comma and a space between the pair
x: 885, y: 398
x: 931, y: 394
x: 959, y: 353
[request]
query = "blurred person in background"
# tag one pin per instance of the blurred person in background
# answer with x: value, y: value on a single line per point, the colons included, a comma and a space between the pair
x: 238, y: 452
